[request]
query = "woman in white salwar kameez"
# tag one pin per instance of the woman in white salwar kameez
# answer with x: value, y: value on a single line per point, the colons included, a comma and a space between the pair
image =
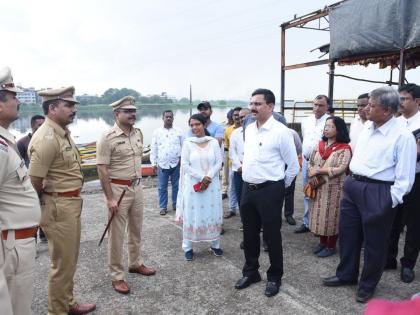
x: 199, y: 204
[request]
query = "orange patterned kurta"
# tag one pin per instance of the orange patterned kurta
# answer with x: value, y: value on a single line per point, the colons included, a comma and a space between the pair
x: 324, y: 209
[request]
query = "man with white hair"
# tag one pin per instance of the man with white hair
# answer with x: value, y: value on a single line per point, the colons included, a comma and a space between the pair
x: 382, y: 172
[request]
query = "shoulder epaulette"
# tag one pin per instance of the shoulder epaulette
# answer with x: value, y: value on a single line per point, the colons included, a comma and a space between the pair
x: 4, y: 146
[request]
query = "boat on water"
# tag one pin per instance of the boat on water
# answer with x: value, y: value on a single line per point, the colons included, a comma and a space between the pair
x: 88, y: 156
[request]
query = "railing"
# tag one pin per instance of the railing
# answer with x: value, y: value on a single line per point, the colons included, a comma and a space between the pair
x: 295, y: 111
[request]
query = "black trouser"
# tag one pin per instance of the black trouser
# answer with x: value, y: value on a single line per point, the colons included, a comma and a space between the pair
x: 407, y: 214
x: 289, y: 200
x: 366, y: 215
x: 238, y: 183
x: 262, y: 207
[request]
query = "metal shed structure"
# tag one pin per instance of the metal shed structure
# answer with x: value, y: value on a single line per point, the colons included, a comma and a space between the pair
x: 361, y: 33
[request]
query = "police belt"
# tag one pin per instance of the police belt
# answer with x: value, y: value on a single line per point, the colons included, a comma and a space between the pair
x: 126, y: 182
x: 67, y: 194
x: 261, y: 185
x: 21, y: 233
x: 365, y: 179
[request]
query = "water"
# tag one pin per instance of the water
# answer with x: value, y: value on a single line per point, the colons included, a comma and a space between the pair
x: 91, y: 123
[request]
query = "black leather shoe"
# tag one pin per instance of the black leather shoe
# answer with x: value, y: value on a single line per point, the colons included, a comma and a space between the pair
x: 245, y: 282
x: 407, y: 275
x: 290, y: 220
x: 334, y: 281
x: 272, y: 288
x: 362, y: 296
x: 302, y: 229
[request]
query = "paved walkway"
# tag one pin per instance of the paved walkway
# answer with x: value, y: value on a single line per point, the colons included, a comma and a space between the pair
x: 205, y: 285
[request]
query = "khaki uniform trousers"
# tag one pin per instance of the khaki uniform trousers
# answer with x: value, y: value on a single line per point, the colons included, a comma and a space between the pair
x: 60, y: 221
x: 225, y: 173
x: 5, y: 302
x: 130, y: 217
x: 19, y: 268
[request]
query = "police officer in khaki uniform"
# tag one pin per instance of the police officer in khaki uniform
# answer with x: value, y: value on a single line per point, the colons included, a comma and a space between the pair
x: 5, y: 301
x: 56, y: 175
x: 19, y: 207
x: 119, y: 153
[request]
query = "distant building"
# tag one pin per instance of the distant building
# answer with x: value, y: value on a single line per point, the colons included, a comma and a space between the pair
x: 86, y: 99
x: 28, y: 96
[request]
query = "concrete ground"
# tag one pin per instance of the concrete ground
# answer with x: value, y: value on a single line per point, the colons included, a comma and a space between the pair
x: 205, y: 285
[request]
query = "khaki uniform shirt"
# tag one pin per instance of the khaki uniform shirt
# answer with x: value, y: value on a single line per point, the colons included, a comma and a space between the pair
x: 19, y: 204
x: 121, y: 153
x: 55, y: 158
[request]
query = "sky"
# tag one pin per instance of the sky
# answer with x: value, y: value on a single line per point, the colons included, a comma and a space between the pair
x: 224, y: 48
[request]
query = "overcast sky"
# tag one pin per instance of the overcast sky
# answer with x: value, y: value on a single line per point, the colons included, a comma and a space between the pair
x: 225, y: 49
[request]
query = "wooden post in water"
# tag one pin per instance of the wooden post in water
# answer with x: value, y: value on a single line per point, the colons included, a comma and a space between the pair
x: 190, y: 100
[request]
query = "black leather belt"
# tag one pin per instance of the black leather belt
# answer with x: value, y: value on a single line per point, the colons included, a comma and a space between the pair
x: 259, y: 186
x: 365, y: 179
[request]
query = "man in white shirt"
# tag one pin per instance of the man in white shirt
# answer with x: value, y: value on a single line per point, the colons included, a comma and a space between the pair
x: 408, y: 213
x: 268, y: 148
x: 382, y: 172
x: 236, y: 154
x: 358, y: 123
x: 312, y: 130
x: 165, y: 156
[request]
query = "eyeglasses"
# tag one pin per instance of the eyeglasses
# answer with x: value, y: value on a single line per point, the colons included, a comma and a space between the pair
x: 128, y: 111
x: 256, y: 104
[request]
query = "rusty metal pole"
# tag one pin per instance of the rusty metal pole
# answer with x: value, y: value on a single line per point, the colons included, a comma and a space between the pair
x: 331, y: 83
x: 283, y: 71
x: 402, y: 68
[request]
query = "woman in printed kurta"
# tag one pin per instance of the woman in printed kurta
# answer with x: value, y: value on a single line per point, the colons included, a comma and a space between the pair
x: 328, y: 167
x: 199, y: 205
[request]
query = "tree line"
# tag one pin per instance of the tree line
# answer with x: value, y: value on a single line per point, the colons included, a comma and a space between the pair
x: 112, y: 94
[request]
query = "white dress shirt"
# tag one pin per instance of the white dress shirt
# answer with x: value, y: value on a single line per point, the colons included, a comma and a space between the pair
x: 166, y: 147
x: 266, y: 152
x: 312, y: 130
x: 236, y: 148
x: 387, y: 153
x: 355, y: 128
x: 412, y: 123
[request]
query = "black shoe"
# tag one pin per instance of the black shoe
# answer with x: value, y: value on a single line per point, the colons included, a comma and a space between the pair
x: 334, y: 281
x: 163, y: 211
x: 407, y: 274
x: 391, y: 265
x: 245, y: 282
x: 318, y: 248
x: 362, y: 296
x: 241, y: 246
x: 302, y: 229
x: 272, y: 288
x: 290, y: 220
x: 265, y: 246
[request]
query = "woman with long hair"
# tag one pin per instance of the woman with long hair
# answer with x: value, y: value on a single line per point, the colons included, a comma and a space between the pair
x: 328, y: 166
x: 199, y: 205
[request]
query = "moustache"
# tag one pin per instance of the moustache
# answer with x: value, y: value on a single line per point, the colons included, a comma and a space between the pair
x: 254, y: 111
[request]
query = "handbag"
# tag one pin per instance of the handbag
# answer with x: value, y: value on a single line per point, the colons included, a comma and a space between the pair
x: 309, y: 190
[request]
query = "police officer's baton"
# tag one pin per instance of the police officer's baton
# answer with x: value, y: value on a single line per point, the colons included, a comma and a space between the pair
x: 112, y: 216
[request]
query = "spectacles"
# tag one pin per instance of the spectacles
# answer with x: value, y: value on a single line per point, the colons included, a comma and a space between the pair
x: 128, y: 111
x: 256, y: 104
